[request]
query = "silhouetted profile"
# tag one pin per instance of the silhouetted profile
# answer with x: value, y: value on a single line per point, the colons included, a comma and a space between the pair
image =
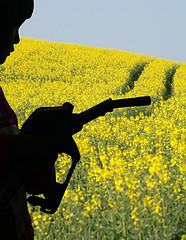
x: 14, y: 220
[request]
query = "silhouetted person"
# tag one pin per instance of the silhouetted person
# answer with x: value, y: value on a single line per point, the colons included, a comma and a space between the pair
x: 17, y: 153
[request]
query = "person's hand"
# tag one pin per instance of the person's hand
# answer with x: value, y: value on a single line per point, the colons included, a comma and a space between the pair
x: 34, y: 151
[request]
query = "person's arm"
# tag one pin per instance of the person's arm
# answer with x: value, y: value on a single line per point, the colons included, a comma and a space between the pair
x: 5, y: 153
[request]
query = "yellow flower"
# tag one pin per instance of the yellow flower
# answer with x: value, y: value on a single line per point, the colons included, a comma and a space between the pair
x: 132, y: 167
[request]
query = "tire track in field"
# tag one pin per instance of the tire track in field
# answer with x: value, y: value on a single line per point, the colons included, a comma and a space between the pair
x: 134, y: 76
x: 167, y: 93
x: 135, y: 73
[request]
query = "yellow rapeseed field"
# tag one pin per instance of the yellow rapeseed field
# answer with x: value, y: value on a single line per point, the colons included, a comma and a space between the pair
x: 130, y: 182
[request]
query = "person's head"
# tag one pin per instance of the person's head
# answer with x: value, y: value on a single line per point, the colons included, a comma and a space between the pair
x: 12, y: 15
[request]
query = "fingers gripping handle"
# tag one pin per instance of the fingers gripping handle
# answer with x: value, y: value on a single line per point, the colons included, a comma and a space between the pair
x: 55, y: 191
